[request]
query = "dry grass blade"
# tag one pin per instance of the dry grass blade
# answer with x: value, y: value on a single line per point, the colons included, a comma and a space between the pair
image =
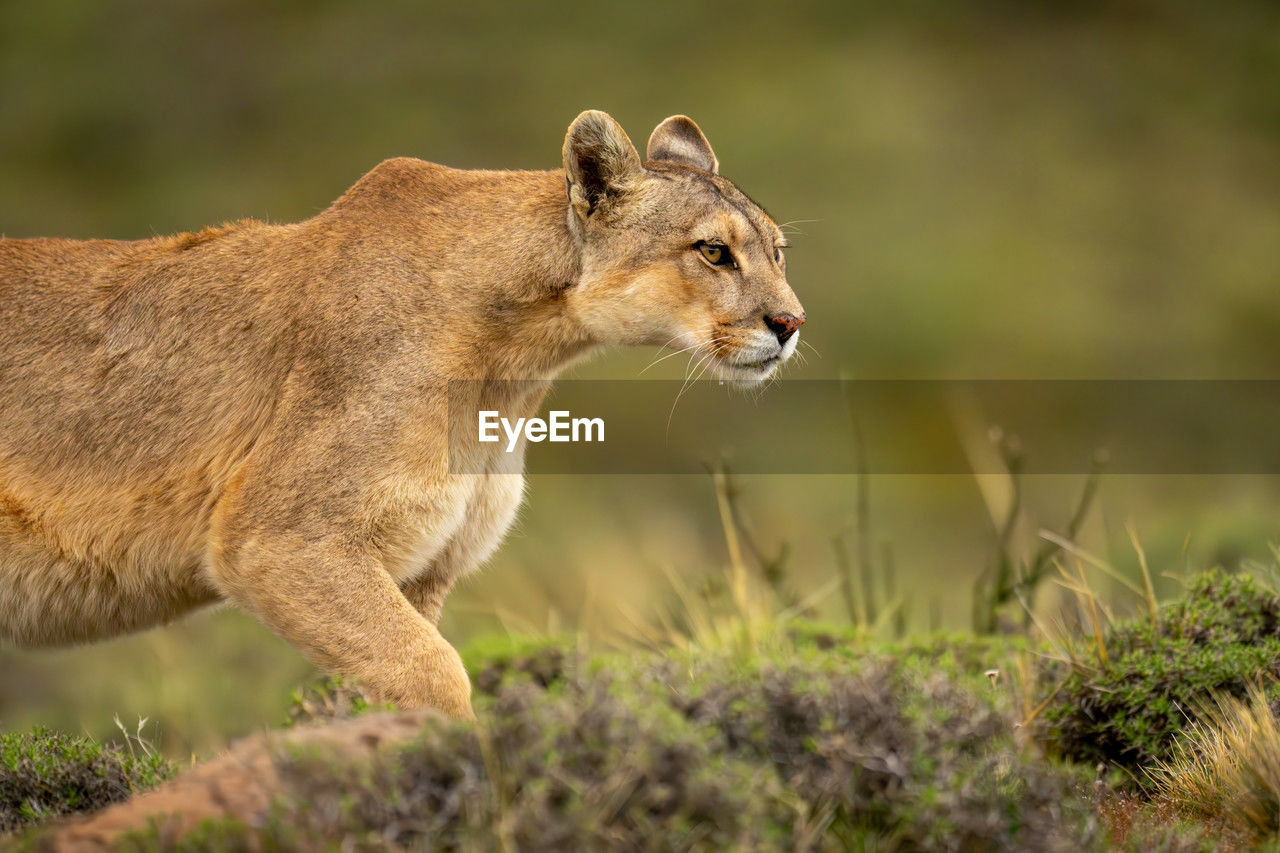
x: 1063, y: 649
x: 847, y: 580
x: 1093, y: 613
x: 809, y: 602
x: 738, y: 569
x: 862, y: 504
x: 1153, y: 606
x: 1039, y: 709
x: 1097, y: 562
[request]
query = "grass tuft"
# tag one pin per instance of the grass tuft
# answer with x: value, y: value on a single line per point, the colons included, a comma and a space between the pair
x: 45, y: 775
x: 1227, y: 767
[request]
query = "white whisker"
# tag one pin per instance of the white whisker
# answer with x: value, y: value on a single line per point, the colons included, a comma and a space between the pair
x: 664, y: 346
x: 704, y: 362
x: 671, y: 354
x: 794, y: 222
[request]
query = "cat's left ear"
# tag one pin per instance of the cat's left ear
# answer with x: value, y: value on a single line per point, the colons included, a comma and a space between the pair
x: 680, y: 140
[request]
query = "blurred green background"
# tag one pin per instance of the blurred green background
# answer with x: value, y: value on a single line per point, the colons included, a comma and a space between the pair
x: 980, y: 190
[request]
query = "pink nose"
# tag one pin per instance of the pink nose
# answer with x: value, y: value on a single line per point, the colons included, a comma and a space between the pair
x: 784, y: 325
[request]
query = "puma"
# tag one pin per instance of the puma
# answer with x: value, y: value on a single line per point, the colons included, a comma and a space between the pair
x: 259, y: 413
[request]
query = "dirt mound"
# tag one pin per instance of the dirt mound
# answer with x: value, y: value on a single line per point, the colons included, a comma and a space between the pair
x: 240, y: 783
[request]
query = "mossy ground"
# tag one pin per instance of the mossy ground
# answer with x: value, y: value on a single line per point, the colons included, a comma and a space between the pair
x: 807, y: 737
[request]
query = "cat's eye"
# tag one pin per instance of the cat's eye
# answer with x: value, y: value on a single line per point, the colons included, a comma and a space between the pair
x: 716, y: 255
x: 777, y: 254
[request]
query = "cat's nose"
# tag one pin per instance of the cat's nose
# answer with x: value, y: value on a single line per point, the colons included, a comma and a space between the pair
x: 783, y: 325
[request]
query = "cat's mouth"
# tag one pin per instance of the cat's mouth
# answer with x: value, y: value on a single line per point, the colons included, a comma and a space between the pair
x: 748, y: 372
x: 762, y: 364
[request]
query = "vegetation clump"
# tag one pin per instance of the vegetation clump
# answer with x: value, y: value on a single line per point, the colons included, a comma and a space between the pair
x: 1150, y: 679
x: 787, y: 751
x: 44, y: 775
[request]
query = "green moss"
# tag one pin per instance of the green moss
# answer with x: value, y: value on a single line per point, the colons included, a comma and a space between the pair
x: 328, y: 698
x: 498, y: 661
x: 215, y: 835
x: 825, y: 636
x: 1222, y: 636
x: 1217, y: 610
x: 44, y: 775
x: 497, y: 650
